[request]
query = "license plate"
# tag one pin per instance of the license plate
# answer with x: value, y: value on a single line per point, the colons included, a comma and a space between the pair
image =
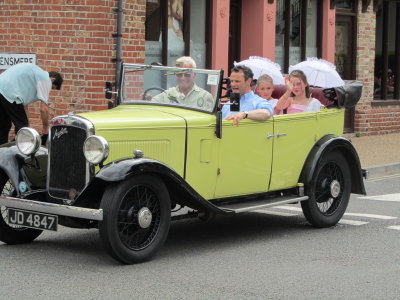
x: 32, y: 219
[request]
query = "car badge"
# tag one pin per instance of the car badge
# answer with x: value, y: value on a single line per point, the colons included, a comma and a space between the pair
x: 60, y: 132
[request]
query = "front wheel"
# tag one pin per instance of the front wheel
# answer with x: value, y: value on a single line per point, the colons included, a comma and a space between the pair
x: 329, y: 192
x: 9, y: 233
x: 137, y: 214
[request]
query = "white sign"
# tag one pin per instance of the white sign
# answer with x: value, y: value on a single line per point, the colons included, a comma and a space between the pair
x: 8, y: 60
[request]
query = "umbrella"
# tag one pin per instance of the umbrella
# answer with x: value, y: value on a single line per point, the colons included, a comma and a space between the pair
x: 319, y: 72
x: 260, y: 66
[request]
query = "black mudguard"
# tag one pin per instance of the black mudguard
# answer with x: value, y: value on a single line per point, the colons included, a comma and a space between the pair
x: 21, y: 168
x: 180, y: 191
x: 330, y: 143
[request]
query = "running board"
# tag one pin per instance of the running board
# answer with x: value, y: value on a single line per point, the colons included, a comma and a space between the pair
x: 258, y: 204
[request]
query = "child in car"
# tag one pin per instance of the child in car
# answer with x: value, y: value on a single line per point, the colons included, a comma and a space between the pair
x: 264, y: 89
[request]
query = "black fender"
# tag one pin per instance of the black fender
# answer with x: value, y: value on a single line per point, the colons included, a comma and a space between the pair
x: 21, y: 168
x: 10, y: 165
x: 330, y: 143
x: 180, y: 191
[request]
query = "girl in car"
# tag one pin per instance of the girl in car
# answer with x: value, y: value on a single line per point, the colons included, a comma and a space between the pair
x: 264, y: 89
x: 297, y: 97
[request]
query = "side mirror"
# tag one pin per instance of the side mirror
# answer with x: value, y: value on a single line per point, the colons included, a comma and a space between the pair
x: 235, y: 101
x: 108, y: 90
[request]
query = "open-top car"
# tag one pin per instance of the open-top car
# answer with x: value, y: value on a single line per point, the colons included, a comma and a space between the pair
x: 124, y: 169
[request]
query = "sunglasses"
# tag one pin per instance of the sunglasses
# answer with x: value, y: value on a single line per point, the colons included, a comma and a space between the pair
x: 187, y: 75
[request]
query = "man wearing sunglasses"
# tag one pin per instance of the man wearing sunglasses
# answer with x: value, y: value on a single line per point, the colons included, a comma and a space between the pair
x: 186, y: 92
x: 21, y: 85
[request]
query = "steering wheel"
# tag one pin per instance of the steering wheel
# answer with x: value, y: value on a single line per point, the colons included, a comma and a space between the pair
x: 149, y: 89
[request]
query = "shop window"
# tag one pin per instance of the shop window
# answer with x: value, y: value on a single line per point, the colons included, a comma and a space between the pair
x: 387, y: 52
x: 297, y: 31
x: 174, y: 28
x: 345, y: 33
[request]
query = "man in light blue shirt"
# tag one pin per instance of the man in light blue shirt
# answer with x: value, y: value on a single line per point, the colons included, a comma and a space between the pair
x: 251, y: 106
x: 21, y: 85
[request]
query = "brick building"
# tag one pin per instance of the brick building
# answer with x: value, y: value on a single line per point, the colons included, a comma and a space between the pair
x: 80, y: 39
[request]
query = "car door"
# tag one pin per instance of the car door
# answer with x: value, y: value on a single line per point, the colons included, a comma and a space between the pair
x: 245, y: 154
x: 294, y: 136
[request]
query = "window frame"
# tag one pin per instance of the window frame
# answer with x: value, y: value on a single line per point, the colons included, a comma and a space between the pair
x: 382, y: 97
x: 185, y: 29
x: 303, y: 35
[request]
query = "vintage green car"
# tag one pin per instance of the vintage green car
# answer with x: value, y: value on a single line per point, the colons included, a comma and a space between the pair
x: 124, y: 170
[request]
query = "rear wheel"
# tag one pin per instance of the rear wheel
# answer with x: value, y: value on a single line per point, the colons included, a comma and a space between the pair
x: 329, y: 192
x: 9, y: 233
x: 137, y: 214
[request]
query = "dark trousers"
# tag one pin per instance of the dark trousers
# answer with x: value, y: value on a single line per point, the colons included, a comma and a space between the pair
x: 11, y: 113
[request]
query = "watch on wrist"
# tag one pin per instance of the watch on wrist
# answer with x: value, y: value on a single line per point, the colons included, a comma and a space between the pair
x: 246, y: 114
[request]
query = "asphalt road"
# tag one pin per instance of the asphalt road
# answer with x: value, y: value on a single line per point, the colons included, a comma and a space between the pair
x: 271, y: 254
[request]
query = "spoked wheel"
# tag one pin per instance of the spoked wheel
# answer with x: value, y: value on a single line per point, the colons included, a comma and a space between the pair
x: 329, y: 192
x: 10, y: 233
x: 137, y: 214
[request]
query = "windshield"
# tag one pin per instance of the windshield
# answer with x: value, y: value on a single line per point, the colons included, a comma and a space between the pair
x: 192, y: 88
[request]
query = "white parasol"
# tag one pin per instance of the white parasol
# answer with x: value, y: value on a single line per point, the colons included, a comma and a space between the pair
x: 260, y: 66
x: 319, y: 72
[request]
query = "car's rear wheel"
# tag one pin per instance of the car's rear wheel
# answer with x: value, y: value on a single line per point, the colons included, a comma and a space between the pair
x: 329, y: 192
x: 137, y: 214
x: 10, y: 233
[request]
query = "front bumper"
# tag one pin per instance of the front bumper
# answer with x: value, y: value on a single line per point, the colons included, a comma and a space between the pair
x: 52, y: 208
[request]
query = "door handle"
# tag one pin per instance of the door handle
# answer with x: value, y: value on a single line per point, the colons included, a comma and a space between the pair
x: 280, y: 134
x: 270, y: 136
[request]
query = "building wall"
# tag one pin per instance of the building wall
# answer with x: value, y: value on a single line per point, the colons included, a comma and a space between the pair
x: 371, y: 117
x: 73, y: 37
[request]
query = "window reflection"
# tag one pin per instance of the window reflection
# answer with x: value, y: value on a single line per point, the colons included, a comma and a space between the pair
x: 384, y: 77
x: 293, y: 31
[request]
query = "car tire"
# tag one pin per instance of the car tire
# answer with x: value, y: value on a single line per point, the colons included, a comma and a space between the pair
x: 136, y: 218
x: 329, y: 191
x: 9, y: 233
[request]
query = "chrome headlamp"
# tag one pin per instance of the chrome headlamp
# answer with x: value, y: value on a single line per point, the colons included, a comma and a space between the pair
x: 95, y: 149
x: 28, y: 140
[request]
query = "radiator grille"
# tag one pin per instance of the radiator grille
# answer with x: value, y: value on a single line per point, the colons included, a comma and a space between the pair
x: 67, y: 166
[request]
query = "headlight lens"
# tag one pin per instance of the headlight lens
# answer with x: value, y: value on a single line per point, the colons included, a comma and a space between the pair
x: 28, y: 140
x: 95, y: 149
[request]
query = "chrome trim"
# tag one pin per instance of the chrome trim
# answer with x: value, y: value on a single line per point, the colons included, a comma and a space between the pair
x: 104, y: 145
x: 52, y: 208
x: 74, y: 121
x: 144, y: 217
x: 138, y: 154
x: 36, y: 138
x: 335, y: 188
x: 244, y: 207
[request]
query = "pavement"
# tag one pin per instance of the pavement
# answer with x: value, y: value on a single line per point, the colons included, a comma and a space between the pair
x: 379, y: 154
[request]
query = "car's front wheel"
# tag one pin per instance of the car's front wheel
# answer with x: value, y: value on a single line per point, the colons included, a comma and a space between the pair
x: 329, y: 192
x: 137, y: 214
x: 9, y: 233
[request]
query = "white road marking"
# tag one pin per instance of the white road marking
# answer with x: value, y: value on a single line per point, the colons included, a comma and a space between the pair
x: 383, y: 177
x: 342, y: 221
x: 382, y: 217
x: 387, y: 197
x: 352, y: 222
x: 275, y: 213
x: 395, y: 227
